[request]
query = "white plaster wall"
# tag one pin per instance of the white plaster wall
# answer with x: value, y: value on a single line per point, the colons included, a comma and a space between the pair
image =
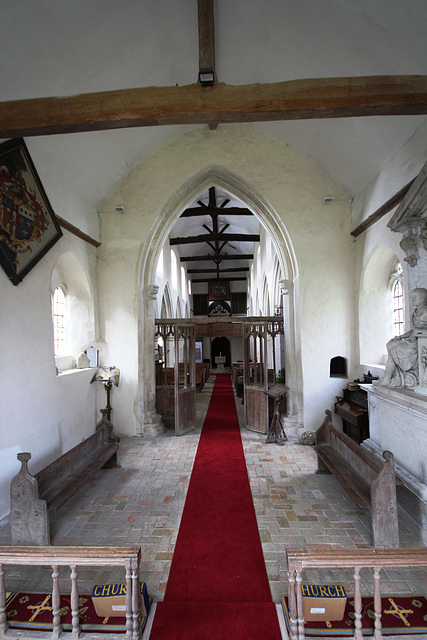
x: 375, y: 249
x: 292, y: 187
x: 396, y: 174
x: 176, y: 292
x: 236, y: 346
x: 41, y: 412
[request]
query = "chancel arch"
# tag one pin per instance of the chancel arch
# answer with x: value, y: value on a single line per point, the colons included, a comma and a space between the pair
x: 150, y: 253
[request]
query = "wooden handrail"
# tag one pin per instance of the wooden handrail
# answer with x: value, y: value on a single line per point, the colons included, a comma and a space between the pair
x: 127, y: 557
x: 356, y: 559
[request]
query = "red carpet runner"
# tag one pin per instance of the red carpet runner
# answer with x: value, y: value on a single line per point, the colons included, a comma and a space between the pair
x: 218, y: 587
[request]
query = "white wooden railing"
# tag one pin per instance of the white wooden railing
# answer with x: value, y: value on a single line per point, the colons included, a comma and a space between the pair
x: 127, y: 557
x: 356, y: 559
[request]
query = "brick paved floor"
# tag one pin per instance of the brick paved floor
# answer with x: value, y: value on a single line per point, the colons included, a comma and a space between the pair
x: 141, y: 503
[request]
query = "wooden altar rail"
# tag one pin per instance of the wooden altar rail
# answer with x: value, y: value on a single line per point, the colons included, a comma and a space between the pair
x: 127, y: 557
x: 356, y: 559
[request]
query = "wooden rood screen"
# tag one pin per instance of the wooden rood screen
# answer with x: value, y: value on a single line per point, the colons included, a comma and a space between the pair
x: 260, y: 352
x: 176, y: 375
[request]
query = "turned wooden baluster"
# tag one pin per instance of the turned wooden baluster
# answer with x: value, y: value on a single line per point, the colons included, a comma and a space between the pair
x: 3, y: 619
x: 377, y: 604
x: 357, y: 605
x: 292, y: 605
x: 129, y: 622
x: 74, y: 599
x: 57, y: 629
x: 135, y: 599
x: 300, y: 606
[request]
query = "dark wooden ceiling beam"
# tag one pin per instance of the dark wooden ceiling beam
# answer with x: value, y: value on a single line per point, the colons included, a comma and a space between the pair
x: 206, y: 34
x: 215, y: 237
x: 194, y: 104
x: 206, y: 210
x: 216, y: 279
x: 218, y: 257
x: 232, y: 270
x: 382, y: 210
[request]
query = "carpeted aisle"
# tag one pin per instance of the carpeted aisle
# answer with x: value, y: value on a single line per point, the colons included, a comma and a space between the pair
x: 218, y: 586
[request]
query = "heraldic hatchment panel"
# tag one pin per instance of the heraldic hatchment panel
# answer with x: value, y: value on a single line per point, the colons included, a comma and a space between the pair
x: 28, y: 227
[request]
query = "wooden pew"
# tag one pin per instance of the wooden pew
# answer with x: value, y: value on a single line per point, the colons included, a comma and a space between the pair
x: 369, y: 482
x: 33, y: 497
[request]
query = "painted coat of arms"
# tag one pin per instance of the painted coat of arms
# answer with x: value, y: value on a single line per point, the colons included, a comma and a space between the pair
x: 28, y: 227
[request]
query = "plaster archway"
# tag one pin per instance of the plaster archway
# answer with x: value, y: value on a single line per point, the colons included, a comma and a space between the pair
x: 149, y: 421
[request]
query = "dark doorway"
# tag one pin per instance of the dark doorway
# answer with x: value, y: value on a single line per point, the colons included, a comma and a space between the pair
x: 221, y: 346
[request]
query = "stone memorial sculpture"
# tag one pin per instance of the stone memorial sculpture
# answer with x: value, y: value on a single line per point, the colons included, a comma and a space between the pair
x: 402, y: 363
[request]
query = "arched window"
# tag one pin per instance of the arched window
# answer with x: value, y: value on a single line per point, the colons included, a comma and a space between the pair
x: 58, y: 317
x: 183, y: 283
x: 174, y: 270
x: 73, y: 317
x: 398, y: 302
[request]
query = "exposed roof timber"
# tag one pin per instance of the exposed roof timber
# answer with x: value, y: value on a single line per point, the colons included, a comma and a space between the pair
x: 206, y: 34
x: 76, y: 231
x: 215, y: 237
x: 232, y: 270
x: 194, y: 104
x: 198, y: 280
x: 218, y: 257
x: 382, y: 210
x: 207, y: 210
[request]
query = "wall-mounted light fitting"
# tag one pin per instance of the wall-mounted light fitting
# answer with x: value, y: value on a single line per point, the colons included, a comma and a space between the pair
x: 206, y: 77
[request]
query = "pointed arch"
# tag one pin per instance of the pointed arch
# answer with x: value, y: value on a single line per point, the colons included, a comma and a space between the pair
x: 79, y: 308
x: 178, y: 308
x: 149, y: 254
x: 375, y: 305
x: 265, y: 297
x: 167, y: 309
x: 277, y: 277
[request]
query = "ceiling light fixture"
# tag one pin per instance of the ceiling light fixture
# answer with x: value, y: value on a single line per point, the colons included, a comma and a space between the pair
x: 206, y: 77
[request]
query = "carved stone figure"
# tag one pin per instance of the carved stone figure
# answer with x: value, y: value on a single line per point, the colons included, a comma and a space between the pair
x: 402, y: 364
x: 409, y: 245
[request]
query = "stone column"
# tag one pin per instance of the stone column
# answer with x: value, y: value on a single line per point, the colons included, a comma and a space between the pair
x: 152, y: 424
x: 293, y: 380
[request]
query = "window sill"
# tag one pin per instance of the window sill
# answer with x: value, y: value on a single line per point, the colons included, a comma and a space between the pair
x: 67, y: 372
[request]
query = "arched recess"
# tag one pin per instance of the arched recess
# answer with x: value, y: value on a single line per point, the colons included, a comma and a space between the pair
x: 178, y: 308
x: 167, y: 310
x: 265, y: 297
x: 69, y: 274
x: 221, y: 347
x: 375, y: 306
x: 149, y: 421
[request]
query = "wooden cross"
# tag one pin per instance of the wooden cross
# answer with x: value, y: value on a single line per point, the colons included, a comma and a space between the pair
x: 399, y: 612
x: 38, y: 608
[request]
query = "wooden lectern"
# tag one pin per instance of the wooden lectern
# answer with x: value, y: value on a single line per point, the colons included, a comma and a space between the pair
x: 276, y: 432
